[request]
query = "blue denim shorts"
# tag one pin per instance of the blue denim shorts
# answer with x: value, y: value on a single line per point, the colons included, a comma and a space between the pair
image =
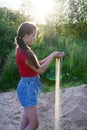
x: 27, y: 91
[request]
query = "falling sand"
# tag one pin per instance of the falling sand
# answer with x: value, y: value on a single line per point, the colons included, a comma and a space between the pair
x: 57, y: 94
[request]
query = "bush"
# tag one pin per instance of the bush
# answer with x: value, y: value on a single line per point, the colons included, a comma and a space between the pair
x: 73, y: 65
x: 10, y: 74
x: 75, y: 61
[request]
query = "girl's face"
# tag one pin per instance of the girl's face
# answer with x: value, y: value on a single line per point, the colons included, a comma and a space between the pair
x: 29, y: 38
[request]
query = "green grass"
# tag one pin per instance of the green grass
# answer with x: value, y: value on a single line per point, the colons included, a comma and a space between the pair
x: 49, y: 86
x: 71, y: 84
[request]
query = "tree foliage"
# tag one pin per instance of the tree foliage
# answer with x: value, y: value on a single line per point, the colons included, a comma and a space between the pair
x: 65, y: 30
x: 70, y: 18
x: 9, y: 21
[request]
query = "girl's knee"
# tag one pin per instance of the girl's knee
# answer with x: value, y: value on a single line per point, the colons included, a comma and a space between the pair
x: 32, y: 116
x: 32, y: 126
x: 35, y: 125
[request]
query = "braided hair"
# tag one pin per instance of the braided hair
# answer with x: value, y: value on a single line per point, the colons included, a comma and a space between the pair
x: 26, y: 28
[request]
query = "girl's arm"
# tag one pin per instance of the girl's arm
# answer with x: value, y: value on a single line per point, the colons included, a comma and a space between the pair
x: 46, y: 62
x: 45, y: 59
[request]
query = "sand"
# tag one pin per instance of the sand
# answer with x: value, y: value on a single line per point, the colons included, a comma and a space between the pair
x: 73, y: 114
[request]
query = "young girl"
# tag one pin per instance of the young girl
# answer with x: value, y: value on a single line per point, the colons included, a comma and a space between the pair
x: 29, y: 69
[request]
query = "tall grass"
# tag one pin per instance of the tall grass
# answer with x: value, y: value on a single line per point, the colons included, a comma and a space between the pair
x: 75, y: 60
x: 73, y: 65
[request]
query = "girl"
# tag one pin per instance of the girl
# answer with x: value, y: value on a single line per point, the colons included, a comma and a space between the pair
x: 29, y: 69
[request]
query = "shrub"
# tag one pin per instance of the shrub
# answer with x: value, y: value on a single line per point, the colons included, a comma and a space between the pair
x: 73, y: 65
x: 10, y: 74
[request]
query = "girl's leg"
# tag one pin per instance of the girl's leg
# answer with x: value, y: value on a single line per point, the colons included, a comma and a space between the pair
x: 24, y: 122
x: 32, y: 116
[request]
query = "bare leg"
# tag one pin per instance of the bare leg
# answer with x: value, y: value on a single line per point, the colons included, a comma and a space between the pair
x: 25, y: 121
x: 32, y: 116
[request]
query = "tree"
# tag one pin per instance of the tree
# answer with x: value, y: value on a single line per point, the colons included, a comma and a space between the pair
x: 9, y: 21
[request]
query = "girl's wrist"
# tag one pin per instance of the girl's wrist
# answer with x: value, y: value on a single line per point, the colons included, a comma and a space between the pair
x: 53, y: 55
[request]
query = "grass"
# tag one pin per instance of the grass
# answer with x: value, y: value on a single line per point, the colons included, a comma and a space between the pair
x: 49, y: 86
x: 71, y: 84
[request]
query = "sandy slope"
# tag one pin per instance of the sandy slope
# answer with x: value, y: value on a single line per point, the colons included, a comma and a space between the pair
x: 73, y: 110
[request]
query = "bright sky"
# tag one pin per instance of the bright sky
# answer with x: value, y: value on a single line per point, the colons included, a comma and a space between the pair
x: 41, y: 7
x: 14, y: 4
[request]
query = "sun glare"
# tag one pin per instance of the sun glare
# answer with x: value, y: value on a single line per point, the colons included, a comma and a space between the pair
x: 40, y: 7
x: 11, y: 3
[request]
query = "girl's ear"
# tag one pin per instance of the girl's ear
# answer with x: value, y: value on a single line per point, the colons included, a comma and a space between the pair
x: 26, y: 35
x: 25, y: 38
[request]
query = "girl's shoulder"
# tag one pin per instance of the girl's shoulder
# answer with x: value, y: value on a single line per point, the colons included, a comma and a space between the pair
x: 19, y: 50
x: 21, y: 54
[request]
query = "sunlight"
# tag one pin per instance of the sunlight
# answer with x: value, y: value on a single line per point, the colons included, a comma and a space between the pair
x: 11, y: 3
x: 42, y: 8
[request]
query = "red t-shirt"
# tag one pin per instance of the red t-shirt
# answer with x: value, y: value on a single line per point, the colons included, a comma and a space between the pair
x: 24, y: 69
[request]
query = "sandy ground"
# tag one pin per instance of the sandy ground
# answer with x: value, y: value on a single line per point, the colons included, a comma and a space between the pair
x: 73, y: 110
x: 11, y: 111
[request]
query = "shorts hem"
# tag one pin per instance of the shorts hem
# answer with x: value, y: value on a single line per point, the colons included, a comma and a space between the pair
x: 29, y: 106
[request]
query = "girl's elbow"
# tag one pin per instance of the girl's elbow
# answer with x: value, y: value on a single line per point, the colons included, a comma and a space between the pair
x: 40, y: 71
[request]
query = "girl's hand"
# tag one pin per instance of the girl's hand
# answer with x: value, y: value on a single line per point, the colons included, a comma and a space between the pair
x: 58, y: 54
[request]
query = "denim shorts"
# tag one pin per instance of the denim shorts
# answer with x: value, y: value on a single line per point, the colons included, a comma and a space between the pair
x: 27, y: 91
